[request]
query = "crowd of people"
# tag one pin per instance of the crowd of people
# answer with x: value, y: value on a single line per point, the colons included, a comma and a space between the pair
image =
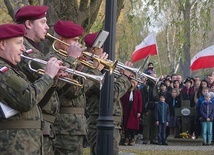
x: 155, y: 108
x: 46, y: 105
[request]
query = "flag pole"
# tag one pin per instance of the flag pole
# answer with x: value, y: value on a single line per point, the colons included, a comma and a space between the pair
x: 158, y: 57
x: 160, y: 64
x: 144, y: 63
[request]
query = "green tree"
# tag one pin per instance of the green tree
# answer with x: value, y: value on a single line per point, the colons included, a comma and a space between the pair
x: 183, y: 22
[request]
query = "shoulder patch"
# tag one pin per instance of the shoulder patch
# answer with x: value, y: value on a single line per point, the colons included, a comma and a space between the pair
x: 29, y: 51
x: 4, y: 69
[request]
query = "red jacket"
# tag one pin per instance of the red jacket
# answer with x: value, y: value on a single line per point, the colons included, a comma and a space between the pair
x: 130, y: 120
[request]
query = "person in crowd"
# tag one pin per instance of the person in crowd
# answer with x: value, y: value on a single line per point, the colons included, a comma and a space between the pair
x: 207, y: 114
x: 163, y: 90
x: 173, y: 77
x: 149, y: 94
x: 167, y: 81
x: 197, y: 83
x: 180, y: 79
x: 162, y: 119
x: 174, y: 101
x: 132, y: 109
x: 198, y: 92
x: 205, y: 90
x: 143, y: 83
x: 176, y: 85
x: 210, y: 80
x: 188, y: 91
x: 21, y: 132
x: 150, y: 70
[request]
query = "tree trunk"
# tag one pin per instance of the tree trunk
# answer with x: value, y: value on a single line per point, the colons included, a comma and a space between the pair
x: 186, y: 46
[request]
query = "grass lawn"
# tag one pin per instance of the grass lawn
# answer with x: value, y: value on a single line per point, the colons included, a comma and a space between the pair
x: 158, y: 152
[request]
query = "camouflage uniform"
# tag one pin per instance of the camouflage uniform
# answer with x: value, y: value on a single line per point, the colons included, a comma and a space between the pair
x: 70, y: 124
x: 121, y: 85
x: 21, y: 134
x: 49, y: 104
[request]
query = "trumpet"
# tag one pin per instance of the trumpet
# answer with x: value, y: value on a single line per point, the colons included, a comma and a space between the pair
x: 135, y: 71
x: 95, y: 78
x: 109, y: 65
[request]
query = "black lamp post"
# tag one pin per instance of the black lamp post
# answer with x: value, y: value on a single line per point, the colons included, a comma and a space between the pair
x: 105, y: 124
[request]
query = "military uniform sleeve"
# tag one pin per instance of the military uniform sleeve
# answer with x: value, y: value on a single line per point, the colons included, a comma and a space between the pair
x: 19, y: 93
x: 121, y: 86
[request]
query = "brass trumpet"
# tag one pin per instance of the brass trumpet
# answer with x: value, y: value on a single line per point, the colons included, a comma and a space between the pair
x: 135, y: 71
x: 96, y: 78
x: 109, y: 65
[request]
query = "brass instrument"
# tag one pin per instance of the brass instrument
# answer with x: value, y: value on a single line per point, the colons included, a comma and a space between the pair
x: 109, y: 65
x: 136, y: 71
x: 99, y: 79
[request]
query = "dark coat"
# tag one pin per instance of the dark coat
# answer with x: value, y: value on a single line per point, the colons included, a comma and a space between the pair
x: 207, y: 111
x: 169, y: 101
x: 130, y: 119
x: 159, y: 113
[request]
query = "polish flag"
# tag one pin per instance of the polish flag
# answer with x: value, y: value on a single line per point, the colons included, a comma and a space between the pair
x: 145, y: 48
x: 3, y: 69
x: 203, y: 59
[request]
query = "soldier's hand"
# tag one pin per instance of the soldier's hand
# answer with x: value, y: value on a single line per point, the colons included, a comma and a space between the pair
x: 128, y: 72
x: 75, y: 50
x: 53, y: 66
x: 138, y: 115
x: 103, y: 56
x: 208, y: 119
x: 167, y: 123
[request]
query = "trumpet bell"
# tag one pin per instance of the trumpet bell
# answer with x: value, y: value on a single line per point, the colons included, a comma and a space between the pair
x: 109, y: 65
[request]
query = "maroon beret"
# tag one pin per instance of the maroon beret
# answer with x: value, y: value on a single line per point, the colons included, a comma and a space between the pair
x: 68, y: 29
x: 90, y: 38
x: 30, y: 12
x: 11, y: 30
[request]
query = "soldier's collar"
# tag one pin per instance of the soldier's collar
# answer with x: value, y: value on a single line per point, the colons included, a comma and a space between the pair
x: 36, y: 45
x: 12, y: 65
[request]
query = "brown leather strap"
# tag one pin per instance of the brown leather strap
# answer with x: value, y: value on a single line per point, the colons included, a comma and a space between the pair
x: 20, y: 124
x: 117, y: 119
x: 48, y: 118
x: 72, y: 110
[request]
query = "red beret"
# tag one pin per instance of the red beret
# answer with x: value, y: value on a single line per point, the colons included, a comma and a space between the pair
x: 90, y: 38
x: 68, y: 29
x: 11, y: 30
x: 30, y: 12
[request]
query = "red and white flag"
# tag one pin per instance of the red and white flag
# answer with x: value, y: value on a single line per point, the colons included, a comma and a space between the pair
x: 203, y: 59
x: 146, y: 47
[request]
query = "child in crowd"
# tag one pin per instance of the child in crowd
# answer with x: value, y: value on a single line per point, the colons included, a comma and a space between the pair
x: 174, y: 101
x: 162, y: 118
x: 207, y: 113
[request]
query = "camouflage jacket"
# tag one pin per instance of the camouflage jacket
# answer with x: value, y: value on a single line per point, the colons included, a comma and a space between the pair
x: 71, y: 96
x: 50, y: 103
x: 20, y: 94
x: 121, y: 85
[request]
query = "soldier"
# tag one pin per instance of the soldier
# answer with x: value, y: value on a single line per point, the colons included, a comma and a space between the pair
x: 121, y: 85
x: 34, y: 19
x: 70, y: 124
x: 21, y: 133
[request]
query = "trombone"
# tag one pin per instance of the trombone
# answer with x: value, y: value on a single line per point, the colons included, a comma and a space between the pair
x: 109, y: 65
x: 95, y: 78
